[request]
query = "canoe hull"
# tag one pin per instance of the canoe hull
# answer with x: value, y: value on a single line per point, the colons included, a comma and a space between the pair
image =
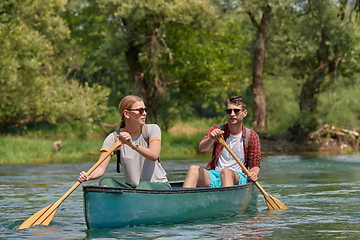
x: 108, y: 207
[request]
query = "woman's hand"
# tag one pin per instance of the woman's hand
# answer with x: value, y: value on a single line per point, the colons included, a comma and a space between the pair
x: 125, y: 137
x: 83, y: 177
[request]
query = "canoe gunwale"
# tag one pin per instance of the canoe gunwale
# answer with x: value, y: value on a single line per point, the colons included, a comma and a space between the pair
x: 175, y: 190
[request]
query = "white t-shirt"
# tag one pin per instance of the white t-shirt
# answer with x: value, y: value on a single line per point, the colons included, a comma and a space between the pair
x: 236, y: 144
x: 135, y: 167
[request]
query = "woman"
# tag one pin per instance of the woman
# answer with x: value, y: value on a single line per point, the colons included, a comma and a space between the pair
x: 139, y: 155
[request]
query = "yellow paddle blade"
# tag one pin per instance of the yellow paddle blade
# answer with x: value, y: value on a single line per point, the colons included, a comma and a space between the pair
x: 43, y: 217
x: 274, y: 204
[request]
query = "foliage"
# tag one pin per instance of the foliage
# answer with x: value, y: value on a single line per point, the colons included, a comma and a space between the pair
x: 338, y: 107
x: 32, y: 86
x: 66, y: 61
x: 174, y: 78
x: 96, y: 57
x: 215, y: 65
x: 319, y: 46
x: 282, y: 104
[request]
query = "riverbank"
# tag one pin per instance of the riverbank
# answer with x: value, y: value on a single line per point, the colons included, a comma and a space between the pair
x: 53, y: 149
x: 179, y: 142
x: 327, y: 138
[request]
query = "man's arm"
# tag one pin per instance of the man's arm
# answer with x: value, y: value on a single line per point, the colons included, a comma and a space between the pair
x: 211, y: 136
x: 205, y: 144
x: 254, y: 155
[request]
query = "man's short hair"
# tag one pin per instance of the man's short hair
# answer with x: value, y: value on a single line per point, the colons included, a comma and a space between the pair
x: 236, y: 100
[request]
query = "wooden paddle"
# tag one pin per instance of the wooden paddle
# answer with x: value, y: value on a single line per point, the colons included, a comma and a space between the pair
x: 271, y: 202
x: 45, y: 215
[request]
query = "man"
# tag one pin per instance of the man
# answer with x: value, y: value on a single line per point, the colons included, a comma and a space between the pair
x: 223, y: 170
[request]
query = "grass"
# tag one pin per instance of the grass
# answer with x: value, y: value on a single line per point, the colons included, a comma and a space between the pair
x: 178, y: 142
x: 22, y: 150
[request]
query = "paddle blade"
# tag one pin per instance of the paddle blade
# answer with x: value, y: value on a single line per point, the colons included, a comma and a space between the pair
x: 43, y: 217
x: 274, y: 204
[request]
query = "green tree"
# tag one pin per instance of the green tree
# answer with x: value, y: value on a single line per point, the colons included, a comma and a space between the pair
x: 260, y: 14
x: 262, y: 8
x: 178, y: 54
x: 321, y: 44
x: 96, y: 57
x: 209, y: 64
x: 138, y: 26
x: 33, y: 89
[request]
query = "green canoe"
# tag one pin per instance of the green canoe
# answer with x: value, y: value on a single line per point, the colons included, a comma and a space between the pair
x: 110, y: 207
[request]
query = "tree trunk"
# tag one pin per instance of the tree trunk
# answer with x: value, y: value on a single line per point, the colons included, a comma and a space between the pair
x: 135, y: 69
x: 308, y: 121
x: 308, y: 101
x: 143, y: 81
x: 257, y: 87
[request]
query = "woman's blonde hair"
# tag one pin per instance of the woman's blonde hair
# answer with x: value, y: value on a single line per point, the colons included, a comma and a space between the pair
x: 125, y: 104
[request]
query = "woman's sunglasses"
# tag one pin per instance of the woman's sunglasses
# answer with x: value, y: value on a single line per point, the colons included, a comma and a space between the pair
x: 140, y: 110
x: 236, y: 111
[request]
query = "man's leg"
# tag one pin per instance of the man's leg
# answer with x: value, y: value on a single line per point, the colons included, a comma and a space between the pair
x: 228, y: 177
x: 196, y: 176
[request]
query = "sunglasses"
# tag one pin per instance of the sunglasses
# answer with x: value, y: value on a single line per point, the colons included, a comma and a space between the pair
x: 236, y: 111
x: 140, y: 110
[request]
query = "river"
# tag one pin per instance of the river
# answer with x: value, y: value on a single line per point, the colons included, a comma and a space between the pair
x: 322, y: 191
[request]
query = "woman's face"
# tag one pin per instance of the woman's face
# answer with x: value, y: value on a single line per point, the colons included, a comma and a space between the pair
x: 137, y: 112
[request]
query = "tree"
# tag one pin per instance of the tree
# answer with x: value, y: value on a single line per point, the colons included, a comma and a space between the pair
x: 257, y: 87
x: 138, y: 26
x: 260, y: 14
x: 209, y: 64
x: 177, y: 53
x: 324, y: 46
x: 32, y: 86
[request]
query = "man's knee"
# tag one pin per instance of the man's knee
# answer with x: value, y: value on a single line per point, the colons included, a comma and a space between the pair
x: 194, y: 168
x: 226, y: 172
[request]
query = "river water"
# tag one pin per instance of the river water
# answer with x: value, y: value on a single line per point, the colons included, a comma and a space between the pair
x: 322, y: 191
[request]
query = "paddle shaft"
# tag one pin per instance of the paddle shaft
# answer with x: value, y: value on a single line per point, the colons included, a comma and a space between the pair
x: 222, y: 141
x: 92, y: 169
x: 45, y: 215
x: 271, y: 202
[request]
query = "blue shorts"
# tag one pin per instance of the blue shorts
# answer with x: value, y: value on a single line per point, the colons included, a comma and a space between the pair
x: 215, y: 180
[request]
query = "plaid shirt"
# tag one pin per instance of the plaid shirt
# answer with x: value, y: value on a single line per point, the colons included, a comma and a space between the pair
x: 252, y: 152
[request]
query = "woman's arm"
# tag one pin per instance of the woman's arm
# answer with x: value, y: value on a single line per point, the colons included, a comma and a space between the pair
x: 151, y: 153
x: 98, y: 172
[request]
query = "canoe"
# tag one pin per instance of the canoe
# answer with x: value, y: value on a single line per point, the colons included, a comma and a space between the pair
x: 113, y: 207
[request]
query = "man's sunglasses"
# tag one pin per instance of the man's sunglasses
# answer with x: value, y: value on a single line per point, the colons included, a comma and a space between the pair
x: 140, y: 110
x: 236, y: 111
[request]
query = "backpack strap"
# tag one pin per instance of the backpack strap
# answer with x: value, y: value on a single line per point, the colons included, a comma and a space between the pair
x: 144, y: 132
x: 117, y: 152
x: 246, y: 136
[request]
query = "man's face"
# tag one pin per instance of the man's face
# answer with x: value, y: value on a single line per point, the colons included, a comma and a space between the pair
x: 235, y: 113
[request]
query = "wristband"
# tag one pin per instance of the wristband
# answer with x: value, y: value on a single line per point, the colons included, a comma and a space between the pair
x: 136, y: 147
